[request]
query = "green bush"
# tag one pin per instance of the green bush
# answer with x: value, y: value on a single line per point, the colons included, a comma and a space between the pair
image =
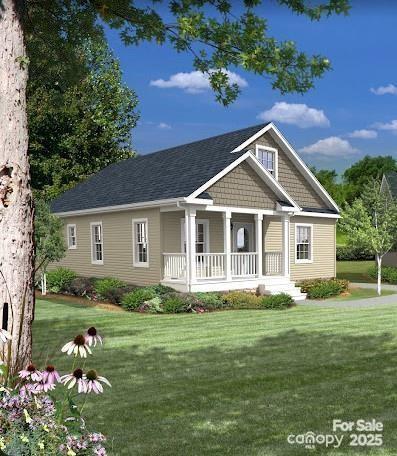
x: 241, y: 300
x: 160, y: 290
x: 152, y: 306
x: 60, y: 279
x: 278, y: 301
x: 324, y: 288
x: 389, y: 274
x: 211, y: 301
x: 349, y: 253
x: 180, y: 302
x: 134, y: 299
x: 82, y: 286
x: 107, y: 285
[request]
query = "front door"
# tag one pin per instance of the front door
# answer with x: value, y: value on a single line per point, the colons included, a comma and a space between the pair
x: 243, y: 237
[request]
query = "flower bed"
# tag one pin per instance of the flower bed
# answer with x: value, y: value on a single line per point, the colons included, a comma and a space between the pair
x: 324, y: 288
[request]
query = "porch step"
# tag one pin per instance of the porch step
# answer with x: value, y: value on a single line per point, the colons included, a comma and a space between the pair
x: 286, y: 287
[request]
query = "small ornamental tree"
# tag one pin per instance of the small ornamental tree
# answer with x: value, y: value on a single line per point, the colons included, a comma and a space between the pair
x: 370, y: 223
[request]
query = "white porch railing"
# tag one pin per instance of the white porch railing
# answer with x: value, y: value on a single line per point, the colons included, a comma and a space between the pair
x: 273, y: 263
x: 174, y: 266
x: 244, y: 264
x: 210, y: 265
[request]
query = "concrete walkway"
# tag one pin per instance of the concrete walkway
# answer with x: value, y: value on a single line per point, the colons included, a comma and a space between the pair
x: 390, y: 300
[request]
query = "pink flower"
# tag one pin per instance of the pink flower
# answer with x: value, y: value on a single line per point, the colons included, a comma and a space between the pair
x: 78, y: 346
x: 76, y: 377
x: 50, y: 378
x: 5, y: 336
x: 92, y: 337
x: 30, y: 388
x: 31, y: 374
x: 94, y: 381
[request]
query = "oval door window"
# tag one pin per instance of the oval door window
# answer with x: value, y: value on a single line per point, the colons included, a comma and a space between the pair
x: 242, y: 240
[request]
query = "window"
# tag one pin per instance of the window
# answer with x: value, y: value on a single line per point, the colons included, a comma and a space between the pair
x: 141, y: 244
x: 97, y: 243
x: 72, y: 237
x: 202, y: 236
x: 268, y: 158
x: 304, y: 240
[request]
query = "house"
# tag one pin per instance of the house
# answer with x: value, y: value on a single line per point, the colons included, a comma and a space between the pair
x: 389, y: 186
x: 234, y: 211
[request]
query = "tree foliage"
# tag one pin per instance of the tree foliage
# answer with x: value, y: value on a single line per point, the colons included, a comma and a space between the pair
x: 49, y: 240
x: 370, y: 222
x: 220, y: 35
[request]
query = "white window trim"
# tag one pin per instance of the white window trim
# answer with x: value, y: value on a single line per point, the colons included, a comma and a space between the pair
x: 138, y: 264
x: 93, y: 261
x: 68, y: 226
x: 310, y: 260
x: 206, y: 224
x: 259, y: 147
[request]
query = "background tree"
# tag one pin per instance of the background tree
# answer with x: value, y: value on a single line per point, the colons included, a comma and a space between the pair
x: 94, y: 118
x: 360, y: 173
x: 328, y: 178
x: 370, y: 223
x: 218, y: 37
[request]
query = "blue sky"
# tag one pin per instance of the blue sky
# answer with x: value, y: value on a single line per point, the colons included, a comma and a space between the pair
x: 362, y: 50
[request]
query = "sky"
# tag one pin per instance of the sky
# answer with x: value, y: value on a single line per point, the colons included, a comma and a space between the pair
x: 351, y: 111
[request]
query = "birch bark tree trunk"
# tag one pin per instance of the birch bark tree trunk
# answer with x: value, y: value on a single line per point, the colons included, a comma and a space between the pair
x: 16, y: 206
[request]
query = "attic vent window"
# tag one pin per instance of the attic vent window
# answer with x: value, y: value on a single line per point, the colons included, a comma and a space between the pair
x: 268, y: 158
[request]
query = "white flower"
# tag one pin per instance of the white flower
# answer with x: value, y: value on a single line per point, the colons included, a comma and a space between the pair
x: 76, y: 377
x: 93, y: 381
x: 31, y: 374
x: 93, y: 337
x: 77, y: 346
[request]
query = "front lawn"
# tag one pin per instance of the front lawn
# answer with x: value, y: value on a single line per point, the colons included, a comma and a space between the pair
x: 354, y: 271
x: 361, y: 293
x: 235, y: 382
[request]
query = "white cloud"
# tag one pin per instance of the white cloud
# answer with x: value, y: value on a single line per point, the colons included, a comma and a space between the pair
x: 364, y: 134
x: 383, y: 90
x: 195, y: 81
x: 164, y: 126
x: 391, y: 126
x: 330, y: 147
x: 295, y: 114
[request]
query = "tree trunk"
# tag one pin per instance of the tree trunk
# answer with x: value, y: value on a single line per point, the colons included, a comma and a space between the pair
x: 379, y: 263
x: 16, y: 206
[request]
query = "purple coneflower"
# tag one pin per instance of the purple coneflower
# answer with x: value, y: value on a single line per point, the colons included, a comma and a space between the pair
x: 50, y: 378
x: 77, y: 346
x: 93, y: 381
x: 31, y: 374
x: 76, y: 377
x: 92, y: 337
x: 28, y: 389
x: 5, y: 336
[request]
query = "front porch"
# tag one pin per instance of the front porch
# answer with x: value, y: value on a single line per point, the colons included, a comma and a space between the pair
x: 229, y: 249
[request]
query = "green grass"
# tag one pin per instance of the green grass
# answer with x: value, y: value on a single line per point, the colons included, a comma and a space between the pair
x: 355, y: 271
x: 233, y: 382
x: 362, y: 293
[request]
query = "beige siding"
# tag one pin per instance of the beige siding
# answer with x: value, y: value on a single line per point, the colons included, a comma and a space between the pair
x: 324, y: 264
x: 117, y: 247
x: 242, y: 187
x: 291, y: 178
x: 273, y: 235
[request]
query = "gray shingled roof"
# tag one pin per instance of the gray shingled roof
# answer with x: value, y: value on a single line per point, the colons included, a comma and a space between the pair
x: 391, y: 177
x: 170, y: 173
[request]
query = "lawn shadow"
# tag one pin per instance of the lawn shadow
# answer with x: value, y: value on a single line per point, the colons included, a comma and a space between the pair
x: 245, y: 400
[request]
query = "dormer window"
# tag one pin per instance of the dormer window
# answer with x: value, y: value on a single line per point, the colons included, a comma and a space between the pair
x: 268, y: 158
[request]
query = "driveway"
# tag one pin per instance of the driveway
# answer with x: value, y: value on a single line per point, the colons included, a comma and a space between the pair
x: 357, y: 303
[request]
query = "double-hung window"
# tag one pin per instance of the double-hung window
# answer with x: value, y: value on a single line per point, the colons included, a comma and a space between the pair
x: 268, y: 158
x: 304, y: 243
x: 72, y: 236
x: 140, y: 243
x: 97, y: 243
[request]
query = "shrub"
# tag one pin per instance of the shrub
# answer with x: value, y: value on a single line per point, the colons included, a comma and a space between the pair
x: 211, y: 301
x: 324, y: 288
x: 134, y: 299
x: 278, y: 301
x: 106, y: 286
x: 152, y: 306
x: 241, y: 300
x: 60, y: 279
x: 349, y: 253
x: 160, y: 289
x: 180, y: 302
x: 389, y: 274
x: 82, y: 286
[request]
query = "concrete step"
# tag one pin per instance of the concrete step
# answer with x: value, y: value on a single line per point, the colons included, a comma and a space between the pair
x: 287, y: 287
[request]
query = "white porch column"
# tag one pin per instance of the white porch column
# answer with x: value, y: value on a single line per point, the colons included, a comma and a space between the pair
x: 227, y: 244
x: 258, y: 243
x: 286, y: 249
x: 190, y: 232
